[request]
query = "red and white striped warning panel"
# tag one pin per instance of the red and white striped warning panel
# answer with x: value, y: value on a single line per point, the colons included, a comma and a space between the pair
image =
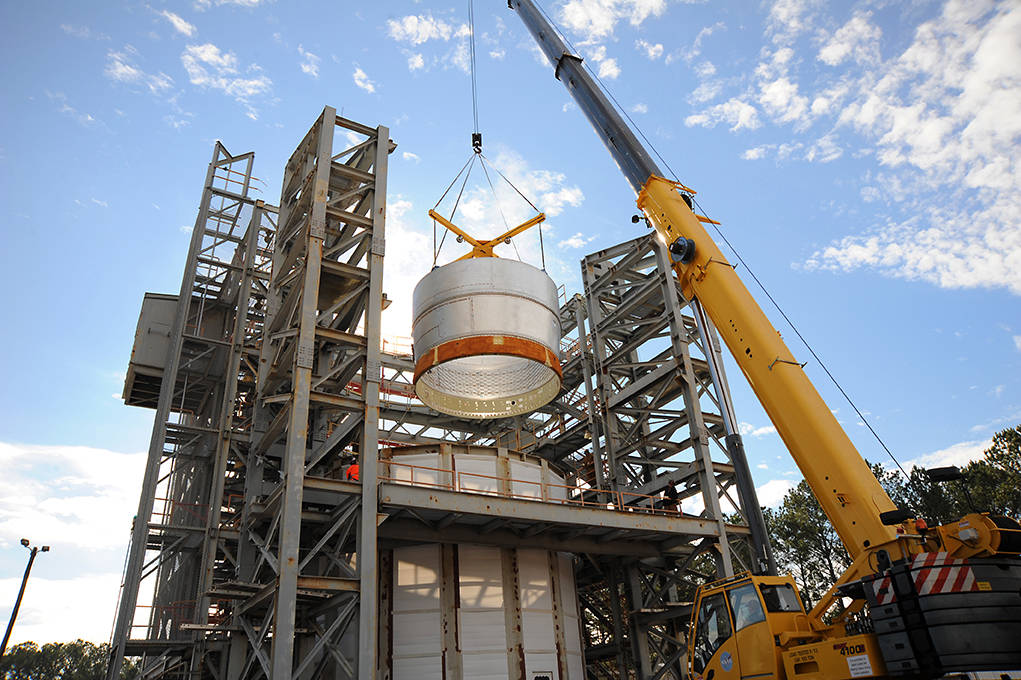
x: 934, y: 573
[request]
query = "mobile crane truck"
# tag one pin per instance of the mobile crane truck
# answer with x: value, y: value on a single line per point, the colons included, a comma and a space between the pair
x: 918, y: 602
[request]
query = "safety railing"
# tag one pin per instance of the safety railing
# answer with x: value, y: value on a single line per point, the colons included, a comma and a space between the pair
x: 463, y: 481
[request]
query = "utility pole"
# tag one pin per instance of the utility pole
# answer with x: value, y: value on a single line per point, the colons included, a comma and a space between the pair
x: 21, y: 593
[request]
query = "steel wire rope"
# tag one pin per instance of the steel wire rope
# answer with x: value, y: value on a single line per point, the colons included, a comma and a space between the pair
x: 467, y: 166
x: 762, y: 287
x: 471, y: 50
x: 499, y: 208
x: 542, y: 250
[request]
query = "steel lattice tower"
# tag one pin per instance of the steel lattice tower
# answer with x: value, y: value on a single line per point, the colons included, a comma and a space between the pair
x: 260, y: 560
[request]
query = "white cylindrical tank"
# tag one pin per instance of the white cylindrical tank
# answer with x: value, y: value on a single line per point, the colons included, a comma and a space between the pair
x: 486, y: 338
x: 476, y: 611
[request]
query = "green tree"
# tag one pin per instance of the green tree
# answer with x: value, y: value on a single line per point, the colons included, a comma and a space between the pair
x: 805, y: 544
x: 78, y: 660
x: 991, y: 484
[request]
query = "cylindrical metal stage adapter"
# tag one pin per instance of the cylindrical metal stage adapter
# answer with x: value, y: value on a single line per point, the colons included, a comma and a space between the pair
x: 486, y: 332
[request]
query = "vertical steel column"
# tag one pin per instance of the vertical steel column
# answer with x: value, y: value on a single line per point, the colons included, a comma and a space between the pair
x: 282, y: 656
x: 368, y: 569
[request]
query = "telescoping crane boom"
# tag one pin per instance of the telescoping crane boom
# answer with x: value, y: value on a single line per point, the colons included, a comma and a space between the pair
x: 918, y: 602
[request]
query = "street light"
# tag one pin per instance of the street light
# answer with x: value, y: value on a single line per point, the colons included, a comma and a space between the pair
x: 21, y: 593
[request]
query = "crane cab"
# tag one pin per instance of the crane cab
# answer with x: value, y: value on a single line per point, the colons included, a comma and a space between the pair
x: 737, y: 625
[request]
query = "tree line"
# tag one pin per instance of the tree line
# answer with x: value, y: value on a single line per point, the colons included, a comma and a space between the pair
x: 78, y: 660
x: 805, y: 544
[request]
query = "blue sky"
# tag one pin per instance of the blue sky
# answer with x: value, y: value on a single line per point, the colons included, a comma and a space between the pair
x: 861, y: 156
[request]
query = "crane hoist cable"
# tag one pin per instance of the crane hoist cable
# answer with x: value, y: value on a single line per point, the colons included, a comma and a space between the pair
x: 466, y: 169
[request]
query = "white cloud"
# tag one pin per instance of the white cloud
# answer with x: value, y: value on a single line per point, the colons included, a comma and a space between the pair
x: 63, y: 610
x: 772, y: 492
x: 121, y: 68
x: 577, y: 241
x: 418, y: 29
x: 747, y: 429
x: 102, y: 204
x: 959, y: 454
x: 858, y: 38
x: 405, y: 266
x: 68, y: 496
x: 408, y: 156
x: 208, y: 66
x: 705, y: 69
x: 1017, y: 342
x: 791, y: 18
x: 206, y: 4
x: 639, y: 108
x: 824, y: 150
x: 497, y: 54
x: 609, y: 69
x: 706, y: 91
x: 82, y: 32
x: 310, y: 63
x: 737, y: 113
x: 780, y: 98
x: 946, y: 114
x: 652, y: 51
x: 179, y: 24
x: 754, y: 153
x: 362, y: 80
x: 596, y: 19
x: 85, y: 119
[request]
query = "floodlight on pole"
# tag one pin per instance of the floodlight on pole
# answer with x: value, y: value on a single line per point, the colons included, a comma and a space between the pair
x: 21, y: 593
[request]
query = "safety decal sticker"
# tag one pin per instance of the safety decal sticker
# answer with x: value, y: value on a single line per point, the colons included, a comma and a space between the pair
x: 726, y: 661
x: 859, y: 666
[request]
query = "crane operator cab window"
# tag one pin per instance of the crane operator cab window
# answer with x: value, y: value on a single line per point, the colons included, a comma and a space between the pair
x: 712, y: 630
x: 744, y: 602
x: 781, y: 598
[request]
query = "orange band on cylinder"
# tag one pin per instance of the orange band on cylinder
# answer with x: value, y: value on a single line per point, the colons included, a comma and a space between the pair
x: 487, y: 344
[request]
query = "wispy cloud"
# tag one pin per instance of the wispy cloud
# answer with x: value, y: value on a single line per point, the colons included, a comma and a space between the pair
x: 309, y: 63
x: 83, y: 32
x: 206, y: 4
x: 362, y: 80
x: 651, y: 50
x: 579, y: 240
x: 749, y: 430
x: 122, y: 67
x: 208, y: 66
x: 179, y: 24
x: 597, y: 19
x: 736, y: 112
x: 64, y: 107
x: 959, y: 454
x: 416, y: 30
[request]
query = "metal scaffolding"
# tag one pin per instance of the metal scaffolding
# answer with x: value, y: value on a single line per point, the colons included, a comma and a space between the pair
x: 263, y: 561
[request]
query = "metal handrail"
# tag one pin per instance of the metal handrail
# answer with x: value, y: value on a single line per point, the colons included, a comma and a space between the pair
x: 620, y: 501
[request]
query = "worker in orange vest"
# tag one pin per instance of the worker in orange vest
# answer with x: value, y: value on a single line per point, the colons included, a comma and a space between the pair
x: 352, y: 472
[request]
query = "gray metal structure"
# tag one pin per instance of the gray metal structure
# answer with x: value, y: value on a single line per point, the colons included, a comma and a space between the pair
x: 263, y: 561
